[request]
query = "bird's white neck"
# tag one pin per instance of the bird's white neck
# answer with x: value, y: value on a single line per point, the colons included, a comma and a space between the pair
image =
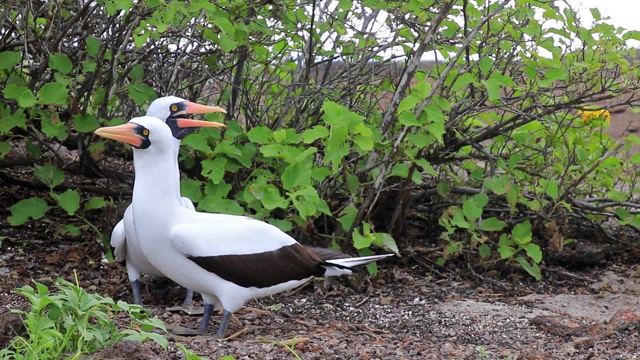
x: 157, y: 183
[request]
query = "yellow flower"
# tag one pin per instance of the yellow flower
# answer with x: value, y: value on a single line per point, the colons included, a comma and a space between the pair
x: 588, y: 115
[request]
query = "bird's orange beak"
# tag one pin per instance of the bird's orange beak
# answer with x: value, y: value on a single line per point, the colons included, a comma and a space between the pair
x: 127, y: 133
x: 195, y: 108
x: 191, y: 123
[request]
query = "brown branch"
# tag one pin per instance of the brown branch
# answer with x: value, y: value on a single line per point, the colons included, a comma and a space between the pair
x: 34, y: 184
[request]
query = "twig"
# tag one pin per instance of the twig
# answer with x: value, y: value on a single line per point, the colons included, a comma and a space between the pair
x: 487, y: 279
x: 235, y: 335
x: 566, y: 274
x: 362, y: 301
x: 576, y: 182
x: 118, y: 193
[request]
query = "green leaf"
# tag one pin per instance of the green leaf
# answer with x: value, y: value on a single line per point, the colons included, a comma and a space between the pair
x: 71, y: 230
x: 197, y: 142
x: 337, y: 146
x: 269, y: 196
x: 32, y: 149
x: 533, y: 251
x: 551, y: 187
x: 505, y: 247
x: 386, y: 241
x: 473, y: 207
x: 499, y: 185
x: 485, y: 64
x: 426, y: 166
x: 11, y: 121
x: 372, y: 268
x: 554, y: 74
x: 407, y: 104
x: 364, y: 142
x: 307, y: 202
x: 53, y: 93
x: 493, y: 89
x: 533, y: 270
x: 141, y: 93
x: 458, y: 219
x: 333, y: 113
x: 400, y: 169
x: 61, y: 63
x: 93, y: 45
x: 338, y: 135
x: 522, y: 233
x: 214, y: 169
x: 443, y: 188
x: 5, y: 148
x: 217, y: 205
x: 68, y: 200
x: 315, y: 133
x: 97, y: 202
x: 85, y: 122
x: 360, y: 241
x: 34, y: 208
x: 227, y: 44
x: 492, y: 224
x: 260, y: 135
x: 224, y: 24
x: 49, y: 174
x: 408, y: 118
x: 506, y: 252
x: 21, y: 94
x: 9, y: 59
x: 191, y: 189
x: 635, y: 158
x: 484, y: 251
x: 51, y: 125
x: 462, y: 81
x: 347, y: 217
x: 297, y: 175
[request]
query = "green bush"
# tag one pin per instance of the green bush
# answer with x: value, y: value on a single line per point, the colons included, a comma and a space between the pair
x: 72, y: 323
x: 334, y: 132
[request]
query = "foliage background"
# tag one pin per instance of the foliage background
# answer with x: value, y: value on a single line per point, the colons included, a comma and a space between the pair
x: 338, y: 130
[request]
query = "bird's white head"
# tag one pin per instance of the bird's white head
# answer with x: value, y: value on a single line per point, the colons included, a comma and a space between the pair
x: 167, y: 106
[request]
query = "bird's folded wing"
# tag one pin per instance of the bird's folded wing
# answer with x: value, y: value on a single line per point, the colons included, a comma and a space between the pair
x: 228, y: 238
x: 248, y: 254
x: 118, y: 239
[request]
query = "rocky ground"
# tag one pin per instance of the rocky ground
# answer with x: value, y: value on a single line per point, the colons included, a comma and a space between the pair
x: 412, y: 310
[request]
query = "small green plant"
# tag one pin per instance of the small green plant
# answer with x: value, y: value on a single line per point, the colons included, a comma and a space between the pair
x: 289, y: 345
x: 73, y: 322
x: 189, y: 355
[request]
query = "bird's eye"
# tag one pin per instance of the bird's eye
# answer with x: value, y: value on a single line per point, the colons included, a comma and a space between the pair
x: 145, y: 132
x: 174, y: 107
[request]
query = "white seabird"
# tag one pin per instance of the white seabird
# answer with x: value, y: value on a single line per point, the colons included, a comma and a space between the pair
x: 227, y: 259
x: 123, y: 240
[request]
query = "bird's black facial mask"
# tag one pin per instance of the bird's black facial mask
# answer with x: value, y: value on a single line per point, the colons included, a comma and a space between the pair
x: 143, y: 133
x: 131, y: 133
x: 178, y: 132
x: 177, y: 109
x: 181, y: 127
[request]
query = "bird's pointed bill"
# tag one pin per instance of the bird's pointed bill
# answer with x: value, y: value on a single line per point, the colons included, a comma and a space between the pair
x: 127, y: 133
x: 195, y: 108
x: 183, y: 123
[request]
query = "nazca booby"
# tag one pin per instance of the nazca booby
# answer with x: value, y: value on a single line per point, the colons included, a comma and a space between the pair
x: 123, y: 240
x: 227, y: 259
